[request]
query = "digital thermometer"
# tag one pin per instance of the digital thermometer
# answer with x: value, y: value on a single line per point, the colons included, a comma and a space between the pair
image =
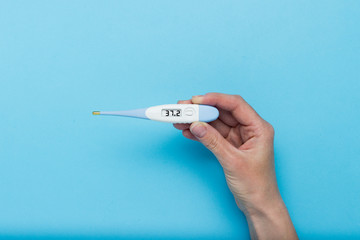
x: 173, y: 113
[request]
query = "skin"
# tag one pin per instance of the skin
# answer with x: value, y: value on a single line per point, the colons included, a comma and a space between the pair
x: 243, y: 144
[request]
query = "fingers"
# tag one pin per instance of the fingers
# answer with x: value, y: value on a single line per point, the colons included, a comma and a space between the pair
x: 234, y: 104
x: 184, y: 102
x: 234, y: 137
x: 189, y: 135
x: 213, y: 140
x: 222, y: 128
x: 219, y: 125
x: 181, y: 126
x: 227, y: 118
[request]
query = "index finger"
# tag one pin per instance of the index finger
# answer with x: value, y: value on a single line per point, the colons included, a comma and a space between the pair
x: 235, y: 104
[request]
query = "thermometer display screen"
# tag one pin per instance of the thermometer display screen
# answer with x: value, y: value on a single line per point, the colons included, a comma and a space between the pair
x: 171, y: 112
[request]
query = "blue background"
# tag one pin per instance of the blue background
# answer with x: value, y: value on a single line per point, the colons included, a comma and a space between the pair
x: 66, y: 173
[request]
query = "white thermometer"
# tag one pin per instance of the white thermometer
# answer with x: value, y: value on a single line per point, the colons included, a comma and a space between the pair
x: 172, y: 113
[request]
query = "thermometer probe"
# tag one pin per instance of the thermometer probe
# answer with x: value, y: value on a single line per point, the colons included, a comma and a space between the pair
x: 172, y: 113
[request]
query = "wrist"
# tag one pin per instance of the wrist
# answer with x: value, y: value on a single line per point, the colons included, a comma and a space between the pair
x: 265, y: 206
x: 270, y: 218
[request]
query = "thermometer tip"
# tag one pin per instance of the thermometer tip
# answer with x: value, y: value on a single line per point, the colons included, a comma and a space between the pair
x: 96, y: 113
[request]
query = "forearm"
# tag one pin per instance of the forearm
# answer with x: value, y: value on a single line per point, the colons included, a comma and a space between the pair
x: 271, y: 222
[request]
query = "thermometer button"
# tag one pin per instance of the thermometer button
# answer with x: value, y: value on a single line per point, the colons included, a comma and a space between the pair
x: 189, y: 111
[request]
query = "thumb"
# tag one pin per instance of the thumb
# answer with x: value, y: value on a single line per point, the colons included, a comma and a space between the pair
x: 211, y: 139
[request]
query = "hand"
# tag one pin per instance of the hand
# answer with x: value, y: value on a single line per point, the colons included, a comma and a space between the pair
x: 243, y: 144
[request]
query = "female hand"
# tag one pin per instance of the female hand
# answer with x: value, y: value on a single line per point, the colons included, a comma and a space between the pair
x: 243, y: 144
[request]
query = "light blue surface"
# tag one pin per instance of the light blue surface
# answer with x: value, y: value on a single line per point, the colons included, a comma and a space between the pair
x: 64, y: 172
x: 208, y: 113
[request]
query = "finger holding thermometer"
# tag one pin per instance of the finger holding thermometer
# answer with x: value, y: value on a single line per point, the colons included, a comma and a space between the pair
x: 172, y: 113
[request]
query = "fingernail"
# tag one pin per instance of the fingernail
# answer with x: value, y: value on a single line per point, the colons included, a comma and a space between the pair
x: 197, y: 98
x: 198, y: 129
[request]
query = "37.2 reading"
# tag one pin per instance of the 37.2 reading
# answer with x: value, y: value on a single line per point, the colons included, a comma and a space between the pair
x: 171, y: 112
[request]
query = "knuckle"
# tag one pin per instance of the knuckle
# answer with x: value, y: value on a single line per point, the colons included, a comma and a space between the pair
x: 237, y: 97
x: 210, y: 94
x: 269, y: 129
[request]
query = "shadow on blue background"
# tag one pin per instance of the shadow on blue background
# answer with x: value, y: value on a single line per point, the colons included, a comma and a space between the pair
x: 67, y: 174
